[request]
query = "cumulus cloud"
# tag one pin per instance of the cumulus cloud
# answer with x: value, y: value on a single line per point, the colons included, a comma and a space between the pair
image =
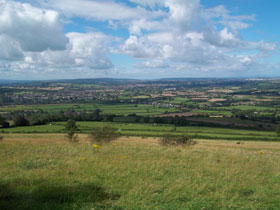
x: 86, y: 50
x: 171, y: 35
x: 100, y: 10
x: 188, y: 35
x: 10, y: 49
x: 32, y: 38
x: 153, y: 64
x: 29, y: 28
x: 90, y: 50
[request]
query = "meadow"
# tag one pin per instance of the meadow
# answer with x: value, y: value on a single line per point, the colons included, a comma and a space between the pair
x: 43, y: 171
x: 154, y: 130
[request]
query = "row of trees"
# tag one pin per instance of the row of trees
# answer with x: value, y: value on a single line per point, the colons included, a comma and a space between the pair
x: 107, y: 134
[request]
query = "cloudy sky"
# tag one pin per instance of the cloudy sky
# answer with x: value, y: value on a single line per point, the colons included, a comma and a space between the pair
x: 53, y: 39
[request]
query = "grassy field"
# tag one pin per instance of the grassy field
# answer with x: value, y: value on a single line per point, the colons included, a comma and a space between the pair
x: 43, y: 171
x: 119, y: 109
x: 155, y: 130
x: 246, y: 107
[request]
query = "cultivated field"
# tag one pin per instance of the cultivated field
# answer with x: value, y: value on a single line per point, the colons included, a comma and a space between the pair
x: 43, y: 171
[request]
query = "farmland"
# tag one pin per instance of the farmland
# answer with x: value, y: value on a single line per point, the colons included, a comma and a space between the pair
x: 44, y: 171
x: 152, y: 130
x: 232, y: 166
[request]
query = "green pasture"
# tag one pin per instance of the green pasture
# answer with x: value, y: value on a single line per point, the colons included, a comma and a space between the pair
x: 180, y: 100
x: 246, y: 107
x: 213, y: 112
x: 154, y: 130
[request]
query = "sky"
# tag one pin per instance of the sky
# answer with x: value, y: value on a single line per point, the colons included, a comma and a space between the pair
x: 139, y: 39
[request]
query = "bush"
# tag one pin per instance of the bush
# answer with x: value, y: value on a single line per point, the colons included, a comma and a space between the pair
x: 20, y: 121
x: 71, y: 129
x: 71, y: 136
x: 1, y: 138
x: 172, y: 140
x: 103, y: 135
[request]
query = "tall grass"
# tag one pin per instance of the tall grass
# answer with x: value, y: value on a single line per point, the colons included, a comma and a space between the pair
x: 140, y: 174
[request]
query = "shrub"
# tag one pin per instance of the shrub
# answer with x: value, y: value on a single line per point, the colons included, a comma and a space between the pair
x: 20, y: 121
x: 71, y: 129
x: 172, y: 140
x: 71, y: 135
x: 103, y: 135
x: 278, y: 130
x: 1, y: 138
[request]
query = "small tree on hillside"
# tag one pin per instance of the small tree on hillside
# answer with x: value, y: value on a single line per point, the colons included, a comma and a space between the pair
x: 71, y: 129
x: 103, y: 135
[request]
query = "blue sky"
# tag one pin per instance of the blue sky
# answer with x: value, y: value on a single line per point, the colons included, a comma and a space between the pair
x: 144, y: 39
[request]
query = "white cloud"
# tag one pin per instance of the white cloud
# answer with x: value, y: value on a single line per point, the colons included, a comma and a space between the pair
x: 32, y: 39
x: 153, y: 64
x: 183, y: 14
x: 10, y: 49
x: 90, y: 50
x: 30, y: 28
x: 189, y: 37
x: 140, y: 48
x: 84, y: 50
x: 100, y: 10
x: 165, y: 35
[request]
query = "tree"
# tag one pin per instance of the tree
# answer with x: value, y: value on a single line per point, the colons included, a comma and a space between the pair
x: 20, y: 121
x: 71, y: 129
x: 278, y: 130
x: 3, y: 122
x: 103, y: 135
x: 71, y: 124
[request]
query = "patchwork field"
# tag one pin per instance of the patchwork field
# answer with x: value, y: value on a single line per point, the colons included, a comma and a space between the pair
x: 43, y: 171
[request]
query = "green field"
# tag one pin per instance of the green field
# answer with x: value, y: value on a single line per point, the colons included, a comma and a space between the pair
x: 43, y: 171
x: 129, y: 129
x: 180, y: 100
x: 218, y: 113
x: 245, y: 107
x: 118, y: 109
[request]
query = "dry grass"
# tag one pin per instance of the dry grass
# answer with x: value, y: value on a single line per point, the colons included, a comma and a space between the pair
x: 43, y: 171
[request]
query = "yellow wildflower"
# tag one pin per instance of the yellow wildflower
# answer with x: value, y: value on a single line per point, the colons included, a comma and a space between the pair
x: 261, y: 152
x: 124, y: 157
x: 82, y: 158
x: 96, y: 146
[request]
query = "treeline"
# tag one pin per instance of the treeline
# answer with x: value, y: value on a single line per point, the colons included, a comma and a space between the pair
x: 41, y: 119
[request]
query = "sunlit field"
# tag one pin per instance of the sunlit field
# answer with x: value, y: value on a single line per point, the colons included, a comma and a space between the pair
x: 44, y: 171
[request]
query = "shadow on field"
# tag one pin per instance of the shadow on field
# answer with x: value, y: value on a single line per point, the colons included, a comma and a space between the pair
x: 20, y: 195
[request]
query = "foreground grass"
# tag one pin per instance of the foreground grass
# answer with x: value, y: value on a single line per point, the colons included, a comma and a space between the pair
x: 42, y: 171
